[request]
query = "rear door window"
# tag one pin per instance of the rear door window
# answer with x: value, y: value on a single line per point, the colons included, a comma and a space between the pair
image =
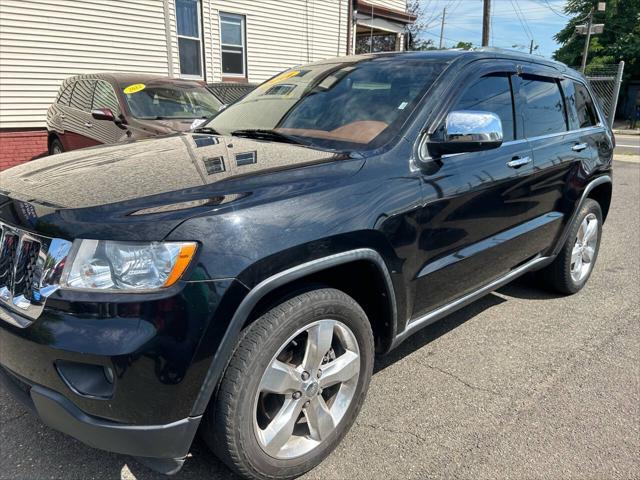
x: 65, y: 94
x: 580, y: 107
x: 82, y: 95
x: 491, y: 93
x: 543, y: 106
x: 105, y: 97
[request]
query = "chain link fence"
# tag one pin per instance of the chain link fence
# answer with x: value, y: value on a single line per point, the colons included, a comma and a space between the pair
x: 605, y: 81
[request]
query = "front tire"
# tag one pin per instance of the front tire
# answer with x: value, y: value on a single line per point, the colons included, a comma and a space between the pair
x: 572, y: 267
x: 293, y: 387
x: 55, y: 147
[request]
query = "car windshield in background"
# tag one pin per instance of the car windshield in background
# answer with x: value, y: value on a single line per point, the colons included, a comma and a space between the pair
x: 333, y: 105
x: 170, y: 102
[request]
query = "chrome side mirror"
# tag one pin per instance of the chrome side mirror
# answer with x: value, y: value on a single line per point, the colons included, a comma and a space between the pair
x: 466, y: 131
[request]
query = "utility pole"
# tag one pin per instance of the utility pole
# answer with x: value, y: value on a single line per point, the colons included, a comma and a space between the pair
x: 486, y: 22
x: 531, y: 47
x: 444, y: 12
x: 585, y: 52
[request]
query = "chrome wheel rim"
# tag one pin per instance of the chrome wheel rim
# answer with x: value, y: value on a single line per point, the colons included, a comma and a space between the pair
x: 307, y: 389
x: 584, y: 248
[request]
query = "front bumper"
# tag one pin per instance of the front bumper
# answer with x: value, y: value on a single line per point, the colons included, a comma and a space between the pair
x: 171, y: 441
x: 158, y: 351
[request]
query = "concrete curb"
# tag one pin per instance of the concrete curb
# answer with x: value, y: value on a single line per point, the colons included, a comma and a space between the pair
x: 619, y: 131
x: 627, y: 158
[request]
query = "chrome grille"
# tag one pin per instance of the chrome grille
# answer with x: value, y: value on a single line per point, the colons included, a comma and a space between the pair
x: 30, y: 270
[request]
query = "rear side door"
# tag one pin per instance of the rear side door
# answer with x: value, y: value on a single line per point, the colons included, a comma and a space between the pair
x: 477, y: 205
x: 106, y: 131
x: 78, y: 122
x: 560, y: 151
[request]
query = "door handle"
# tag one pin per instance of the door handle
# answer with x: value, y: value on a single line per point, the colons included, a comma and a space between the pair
x: 517, y: 162
x: 88, y: 124
x: 578, y: 147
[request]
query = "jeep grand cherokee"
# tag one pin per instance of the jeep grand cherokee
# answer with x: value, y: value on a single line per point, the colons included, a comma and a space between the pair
x: 239, y: 279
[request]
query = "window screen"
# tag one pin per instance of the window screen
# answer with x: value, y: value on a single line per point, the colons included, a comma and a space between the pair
x: 543, y: 110
x: 491, y: 94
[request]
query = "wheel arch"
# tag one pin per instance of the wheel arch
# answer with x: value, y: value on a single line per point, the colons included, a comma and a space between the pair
x: 602, y: 193
x: 602, y: 188
x: 336, y: 271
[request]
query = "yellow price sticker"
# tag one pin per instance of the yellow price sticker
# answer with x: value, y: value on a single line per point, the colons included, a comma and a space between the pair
x: 136, y: 87
x: 283, y: 76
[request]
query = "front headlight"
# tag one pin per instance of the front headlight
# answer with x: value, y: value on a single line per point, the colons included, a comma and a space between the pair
x: 107, y: 265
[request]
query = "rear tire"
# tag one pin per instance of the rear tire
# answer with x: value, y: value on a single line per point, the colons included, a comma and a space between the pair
x: 306, y: 364
x: 55, y: 147
x: 572, y: 267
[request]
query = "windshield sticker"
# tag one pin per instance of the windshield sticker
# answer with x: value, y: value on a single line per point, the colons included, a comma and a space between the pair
x: 403, y: 105
x: 197, y: 122
x: 136, y: 87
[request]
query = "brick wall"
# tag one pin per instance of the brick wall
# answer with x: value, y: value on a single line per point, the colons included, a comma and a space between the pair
x: 19, y: 146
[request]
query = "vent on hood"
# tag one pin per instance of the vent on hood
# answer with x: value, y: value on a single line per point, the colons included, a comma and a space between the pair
x: 214, y: 165
x: 246, y: 158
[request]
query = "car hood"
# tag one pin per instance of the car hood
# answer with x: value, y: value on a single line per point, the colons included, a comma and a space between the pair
x: 159, y: 180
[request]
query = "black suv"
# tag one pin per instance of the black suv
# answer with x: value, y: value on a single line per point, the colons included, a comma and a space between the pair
x: 238, y: 279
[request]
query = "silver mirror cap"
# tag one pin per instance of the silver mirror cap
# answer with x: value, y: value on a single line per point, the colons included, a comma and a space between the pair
x: 463, y: 131
x: 471, y: 126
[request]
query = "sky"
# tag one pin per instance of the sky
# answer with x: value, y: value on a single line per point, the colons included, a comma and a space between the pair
x: 537, y: 19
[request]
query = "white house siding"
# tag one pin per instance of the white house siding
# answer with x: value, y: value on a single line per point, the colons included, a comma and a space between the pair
x: 44, y: 41
x: 282, y: 34
x: 400, y: 5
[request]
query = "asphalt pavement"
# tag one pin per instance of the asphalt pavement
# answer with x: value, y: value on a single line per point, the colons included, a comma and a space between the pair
x: 522, y: 384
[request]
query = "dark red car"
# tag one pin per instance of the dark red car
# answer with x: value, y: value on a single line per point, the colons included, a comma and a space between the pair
x: 93, y: 109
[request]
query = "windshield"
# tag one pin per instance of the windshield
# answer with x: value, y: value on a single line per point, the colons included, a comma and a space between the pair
x: 170, y: 101
x: 334, y: 105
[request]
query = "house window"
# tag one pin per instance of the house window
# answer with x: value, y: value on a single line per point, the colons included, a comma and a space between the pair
x: 189, y: 37
x: 232, y: 35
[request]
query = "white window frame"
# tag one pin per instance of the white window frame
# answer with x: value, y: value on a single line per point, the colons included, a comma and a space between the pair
x: 200, y: 39
x: 243, y: 27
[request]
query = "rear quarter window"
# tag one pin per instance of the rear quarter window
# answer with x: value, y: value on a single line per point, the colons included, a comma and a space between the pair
x: 65, y: 94
x: 82, y: 95
x: 580, y: 107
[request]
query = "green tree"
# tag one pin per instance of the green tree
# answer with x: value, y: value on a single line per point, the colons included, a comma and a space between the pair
x: 464, y: 45
x: 620, y: 39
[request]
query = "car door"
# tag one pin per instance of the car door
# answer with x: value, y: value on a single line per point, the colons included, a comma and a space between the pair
x: 559, y: 149
x: 78, y: 121
x: 106, y: 131
x: 477, y: 212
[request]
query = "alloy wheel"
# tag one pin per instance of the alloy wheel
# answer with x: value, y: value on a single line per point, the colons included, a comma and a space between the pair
x: 307, y: 389
x: 584, y: 248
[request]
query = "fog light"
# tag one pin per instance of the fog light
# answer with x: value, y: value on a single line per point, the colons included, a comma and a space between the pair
x: 86, y: 380
x: 108, y: 374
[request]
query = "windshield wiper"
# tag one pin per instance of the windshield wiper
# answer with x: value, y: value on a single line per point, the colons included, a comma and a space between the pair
x: 271, y: 135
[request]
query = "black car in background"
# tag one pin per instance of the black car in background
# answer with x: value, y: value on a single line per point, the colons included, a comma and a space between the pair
x: 238, y: 279
x: 94, y: 109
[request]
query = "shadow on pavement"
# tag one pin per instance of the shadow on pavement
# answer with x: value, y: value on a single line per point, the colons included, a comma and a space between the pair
x: 436, y: 330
